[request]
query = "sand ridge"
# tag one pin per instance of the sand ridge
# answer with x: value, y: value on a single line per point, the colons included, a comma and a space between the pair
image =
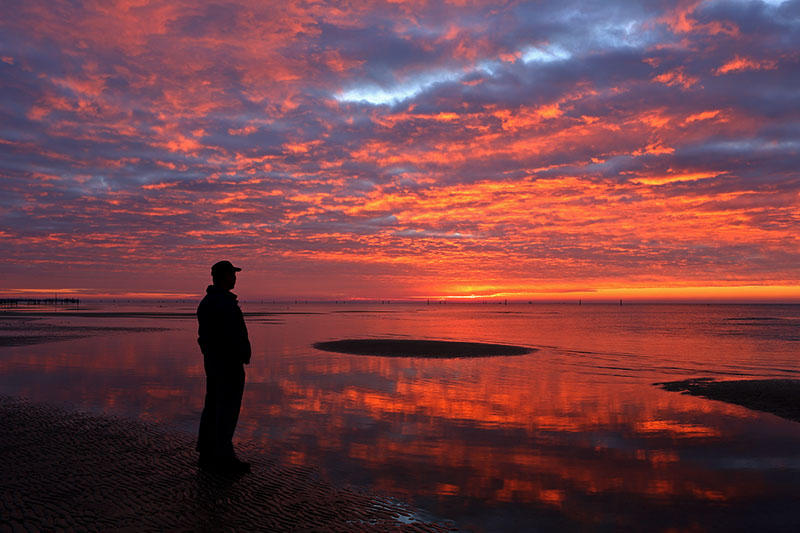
x: 419, y: 348
x: 74, y: 471
x: 780, y: 397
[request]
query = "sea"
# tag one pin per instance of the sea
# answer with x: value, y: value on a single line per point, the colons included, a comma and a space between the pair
x: 574, y: 436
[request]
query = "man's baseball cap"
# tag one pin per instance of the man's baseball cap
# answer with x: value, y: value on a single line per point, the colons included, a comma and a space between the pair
x: 224, y: 266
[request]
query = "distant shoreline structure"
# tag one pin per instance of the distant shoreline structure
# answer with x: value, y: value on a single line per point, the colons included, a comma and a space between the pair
x: 15, y: 302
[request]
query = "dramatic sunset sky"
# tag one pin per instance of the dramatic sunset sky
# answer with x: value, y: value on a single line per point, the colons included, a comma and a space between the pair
x: 365, y: 149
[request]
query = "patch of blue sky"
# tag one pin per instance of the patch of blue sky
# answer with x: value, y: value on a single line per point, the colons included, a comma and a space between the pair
x: 375, y: 94
x: 545, y: 54
x: 362, y: 185
x: 621, y: 34
x: 768, y: 2
x: 487, y: 67
x: 379, y: 95
x: 754, y: 145
x: 432, y: 234
x: 399, y: 171
x: 388, y: 220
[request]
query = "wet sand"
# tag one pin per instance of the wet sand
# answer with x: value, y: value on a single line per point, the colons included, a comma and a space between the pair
x: 419, y: 348
x: 28, y: 327
x: 24, y: 329
x: 780, y: 397
x: 28, y: 334
x: 62, y: 470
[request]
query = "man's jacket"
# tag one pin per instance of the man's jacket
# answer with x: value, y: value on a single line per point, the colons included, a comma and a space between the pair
x: 222, y: 331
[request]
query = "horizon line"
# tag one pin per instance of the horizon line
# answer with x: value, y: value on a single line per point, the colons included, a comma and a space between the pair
x: 6, y: 300
x: 768, y: 294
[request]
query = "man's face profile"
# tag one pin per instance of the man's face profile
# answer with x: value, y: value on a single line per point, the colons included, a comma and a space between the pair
x: 226, y: 281
x: 230, y: 280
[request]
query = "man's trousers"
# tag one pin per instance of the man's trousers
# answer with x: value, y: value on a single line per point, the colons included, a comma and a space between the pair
x: 224, y: 388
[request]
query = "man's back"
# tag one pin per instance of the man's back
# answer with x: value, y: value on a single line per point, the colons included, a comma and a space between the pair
x: 221, y: 328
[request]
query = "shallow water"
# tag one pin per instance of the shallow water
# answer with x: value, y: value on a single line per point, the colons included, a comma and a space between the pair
x: 572, y: 436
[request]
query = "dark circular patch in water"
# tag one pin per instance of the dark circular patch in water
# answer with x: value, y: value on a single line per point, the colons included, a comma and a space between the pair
x: 419, y: 348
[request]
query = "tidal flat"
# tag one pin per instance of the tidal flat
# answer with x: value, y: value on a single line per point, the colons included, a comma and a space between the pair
x: 72, y: 471
x: 571, y: 435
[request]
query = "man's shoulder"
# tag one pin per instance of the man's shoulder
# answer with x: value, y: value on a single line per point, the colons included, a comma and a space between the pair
x: 216, y: 299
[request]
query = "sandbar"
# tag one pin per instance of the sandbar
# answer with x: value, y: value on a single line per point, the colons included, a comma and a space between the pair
x: 65, y: 470
x: 780, y: 397
x: 419, y: 348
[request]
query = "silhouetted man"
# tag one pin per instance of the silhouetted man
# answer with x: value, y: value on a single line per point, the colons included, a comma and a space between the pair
x: 226, y: 349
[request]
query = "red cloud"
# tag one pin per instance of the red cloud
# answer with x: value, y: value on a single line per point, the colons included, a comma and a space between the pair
x: 739, y: 63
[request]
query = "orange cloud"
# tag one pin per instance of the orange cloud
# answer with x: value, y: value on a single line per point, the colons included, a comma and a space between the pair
x: 739, y: 64
x: 682, y: 20
x: 677, y: 77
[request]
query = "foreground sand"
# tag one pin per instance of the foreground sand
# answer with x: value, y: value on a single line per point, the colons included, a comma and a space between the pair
x: 780, y: 397
x: 73, y: 471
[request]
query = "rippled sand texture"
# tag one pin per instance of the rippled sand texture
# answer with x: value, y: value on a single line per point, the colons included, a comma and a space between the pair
x: 63, y: 470
x: 780, y: 397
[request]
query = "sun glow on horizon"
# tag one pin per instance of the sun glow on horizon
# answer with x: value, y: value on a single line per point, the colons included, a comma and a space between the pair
x: 711, y: 294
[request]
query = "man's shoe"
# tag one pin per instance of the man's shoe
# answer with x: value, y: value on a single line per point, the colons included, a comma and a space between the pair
x: 238, y: 466
x: 206, y: 462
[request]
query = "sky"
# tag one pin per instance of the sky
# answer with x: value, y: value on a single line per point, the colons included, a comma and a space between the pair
x: 365, y: 149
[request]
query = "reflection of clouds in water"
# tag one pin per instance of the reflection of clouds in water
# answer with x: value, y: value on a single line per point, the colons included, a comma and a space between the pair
x: 574, y: 435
